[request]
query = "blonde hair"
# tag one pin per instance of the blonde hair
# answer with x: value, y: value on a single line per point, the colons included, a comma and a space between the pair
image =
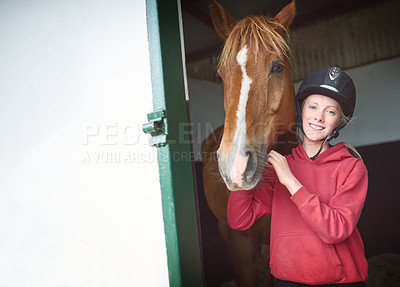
x: 352, y: 150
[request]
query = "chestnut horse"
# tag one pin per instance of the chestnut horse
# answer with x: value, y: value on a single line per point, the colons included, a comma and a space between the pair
x: 259, y: 106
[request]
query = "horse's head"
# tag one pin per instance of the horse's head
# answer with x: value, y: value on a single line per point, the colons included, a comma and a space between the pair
x: 258, y: 91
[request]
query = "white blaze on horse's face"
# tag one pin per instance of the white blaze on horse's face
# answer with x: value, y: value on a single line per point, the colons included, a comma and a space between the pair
x: 240, y: 159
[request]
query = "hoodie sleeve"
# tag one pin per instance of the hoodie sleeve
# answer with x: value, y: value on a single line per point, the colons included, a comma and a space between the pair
x: 246, y: 206
x: 335, y: 221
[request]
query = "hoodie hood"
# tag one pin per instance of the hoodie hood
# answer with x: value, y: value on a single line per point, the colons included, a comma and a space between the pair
x: 335, y: 153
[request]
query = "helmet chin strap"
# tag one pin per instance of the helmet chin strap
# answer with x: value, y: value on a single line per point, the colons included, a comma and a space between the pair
x: 320, y: 149
x: 334, y: 134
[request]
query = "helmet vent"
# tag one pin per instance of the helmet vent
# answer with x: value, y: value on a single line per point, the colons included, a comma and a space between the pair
x: 330, y: 88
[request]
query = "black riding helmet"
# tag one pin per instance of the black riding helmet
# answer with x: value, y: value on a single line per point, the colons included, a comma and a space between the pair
x: 331, y: 82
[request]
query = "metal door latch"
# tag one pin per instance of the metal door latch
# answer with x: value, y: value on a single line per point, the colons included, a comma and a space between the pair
x: 156, y: 128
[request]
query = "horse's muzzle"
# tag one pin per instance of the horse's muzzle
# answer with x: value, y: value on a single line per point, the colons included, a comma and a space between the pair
x: 239, y: 172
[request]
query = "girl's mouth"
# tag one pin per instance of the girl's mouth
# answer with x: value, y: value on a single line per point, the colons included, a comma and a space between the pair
x: 316, y: 127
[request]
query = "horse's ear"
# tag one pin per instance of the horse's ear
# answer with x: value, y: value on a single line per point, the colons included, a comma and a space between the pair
x: 223, y: 22
x: 285, y: 17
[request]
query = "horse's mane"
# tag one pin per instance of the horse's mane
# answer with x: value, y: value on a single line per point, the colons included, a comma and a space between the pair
x: 256, y: 29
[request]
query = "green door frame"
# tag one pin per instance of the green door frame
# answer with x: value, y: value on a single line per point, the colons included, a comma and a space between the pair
x: 175, y: 165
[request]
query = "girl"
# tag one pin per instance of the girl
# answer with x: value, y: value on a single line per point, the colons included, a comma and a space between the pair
x: 315, y: 195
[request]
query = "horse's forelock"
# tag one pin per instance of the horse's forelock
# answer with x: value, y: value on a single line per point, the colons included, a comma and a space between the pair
x: 262, y: 31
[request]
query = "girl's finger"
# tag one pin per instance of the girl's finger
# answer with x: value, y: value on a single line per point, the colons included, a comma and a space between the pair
x: 276, y: 157
x: 273, y: 154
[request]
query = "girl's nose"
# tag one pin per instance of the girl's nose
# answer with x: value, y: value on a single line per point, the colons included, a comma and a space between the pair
x: 319, y: 117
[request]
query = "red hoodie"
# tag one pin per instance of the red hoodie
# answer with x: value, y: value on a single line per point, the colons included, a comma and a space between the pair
x: 314, y: 239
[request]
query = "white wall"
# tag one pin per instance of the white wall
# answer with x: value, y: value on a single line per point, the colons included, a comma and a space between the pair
x: 378, y: 102
x: 80, y: 201
x: 375, y: 119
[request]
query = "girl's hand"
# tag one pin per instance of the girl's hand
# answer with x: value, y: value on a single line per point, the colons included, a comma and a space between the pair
x: 283, y: 171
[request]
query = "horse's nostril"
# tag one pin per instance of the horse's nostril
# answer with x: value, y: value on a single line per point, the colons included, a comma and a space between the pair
x: 251, y: 165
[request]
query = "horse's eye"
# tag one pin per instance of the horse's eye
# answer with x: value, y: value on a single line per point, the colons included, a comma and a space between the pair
x: 277, y: 68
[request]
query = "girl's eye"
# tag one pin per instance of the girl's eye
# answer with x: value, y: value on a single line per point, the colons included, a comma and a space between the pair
x: 331, y: 113
x: 312, y: 107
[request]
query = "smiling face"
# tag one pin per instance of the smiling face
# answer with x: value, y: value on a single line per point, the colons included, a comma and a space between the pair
x: 320, y: 116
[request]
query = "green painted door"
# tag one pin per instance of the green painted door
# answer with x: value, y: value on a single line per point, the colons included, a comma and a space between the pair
x: 169, y: 128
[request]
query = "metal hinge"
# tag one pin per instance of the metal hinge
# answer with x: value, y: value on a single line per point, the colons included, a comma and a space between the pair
x: 156, y: 128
